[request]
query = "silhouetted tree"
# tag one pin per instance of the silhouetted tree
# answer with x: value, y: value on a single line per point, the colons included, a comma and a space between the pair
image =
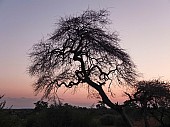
x: 151, y: 96
x: 82, y: 51
x: 100, y: 105
x: 40, y: 105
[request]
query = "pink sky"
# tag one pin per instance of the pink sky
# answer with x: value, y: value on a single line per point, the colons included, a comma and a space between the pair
x: 143, y: 26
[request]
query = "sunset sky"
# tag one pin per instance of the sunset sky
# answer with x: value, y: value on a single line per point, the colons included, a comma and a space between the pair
x: 143, y: 26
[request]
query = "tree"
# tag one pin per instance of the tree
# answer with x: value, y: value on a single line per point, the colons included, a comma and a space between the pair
x: 152, y: 97
x: 100, y: 105
x: 82, y: 51
x: 40, y: 105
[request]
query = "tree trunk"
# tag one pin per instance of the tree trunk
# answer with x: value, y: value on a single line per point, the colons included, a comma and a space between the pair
x: 145, y: 118
x: 160, y: 120
x: 107, y: 101
x: 162, y: 115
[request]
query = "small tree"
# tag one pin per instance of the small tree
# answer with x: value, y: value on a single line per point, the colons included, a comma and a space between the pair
x: 100, y: 105
x: 151, y: 96
x: 40, y: 105
x: 82, y: 51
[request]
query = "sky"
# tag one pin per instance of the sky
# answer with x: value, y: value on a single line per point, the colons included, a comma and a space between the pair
x: 143, y: 27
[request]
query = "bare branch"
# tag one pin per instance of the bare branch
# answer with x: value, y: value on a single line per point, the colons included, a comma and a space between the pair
x: 81, y: 48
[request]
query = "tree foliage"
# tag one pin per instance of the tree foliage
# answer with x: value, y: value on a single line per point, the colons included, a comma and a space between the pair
x: 153, y: 97
x: 80, y: 49
x: 40, y: 105
x: 153, y: 94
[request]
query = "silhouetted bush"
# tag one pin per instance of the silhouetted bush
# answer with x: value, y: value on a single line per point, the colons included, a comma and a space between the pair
x: 40, y: 105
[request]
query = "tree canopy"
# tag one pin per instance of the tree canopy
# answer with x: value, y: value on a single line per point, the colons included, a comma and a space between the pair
x: 152, y: 97
x: 154, y: 93
x: 80, y: 49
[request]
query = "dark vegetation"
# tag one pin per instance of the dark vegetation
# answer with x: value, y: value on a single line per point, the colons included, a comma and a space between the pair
x: 2, y: 104
x: 65, y: 115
